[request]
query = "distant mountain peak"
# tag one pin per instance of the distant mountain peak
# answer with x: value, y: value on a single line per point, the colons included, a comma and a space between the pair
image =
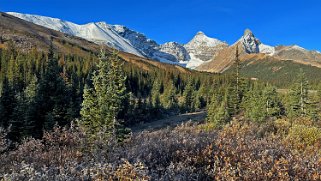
x: 200, y: 39
x: 200, y: 33
x: 248, y: 32
x: 251, y: 44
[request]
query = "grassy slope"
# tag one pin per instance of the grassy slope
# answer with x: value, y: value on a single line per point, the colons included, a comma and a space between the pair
x: 280, y: 73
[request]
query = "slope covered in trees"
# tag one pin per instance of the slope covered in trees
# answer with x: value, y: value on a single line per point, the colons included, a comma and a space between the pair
x: 39, y: 90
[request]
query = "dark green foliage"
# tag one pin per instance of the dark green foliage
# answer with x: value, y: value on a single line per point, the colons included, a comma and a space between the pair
x: 103, y: 103
x: 273, y: 105
x: 52, y: 98
x: 262, y: 102
x: 7, y: 103
x: 35, y: 93
x: 255, y: 105
x: 188, y: 96
x: 218, y: 111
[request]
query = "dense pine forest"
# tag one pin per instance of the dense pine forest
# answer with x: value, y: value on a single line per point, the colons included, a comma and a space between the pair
x: 68, y: 117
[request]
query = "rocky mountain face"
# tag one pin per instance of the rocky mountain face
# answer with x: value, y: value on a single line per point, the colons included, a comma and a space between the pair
x: 144, y: 45
x: 96, y: 32
x: 253, y: 45
x: 177, y: 50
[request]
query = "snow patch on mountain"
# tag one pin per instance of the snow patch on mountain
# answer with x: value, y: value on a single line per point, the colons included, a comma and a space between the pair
x: 194, y: 62
x: 200, y: 49
x: 266, y: 49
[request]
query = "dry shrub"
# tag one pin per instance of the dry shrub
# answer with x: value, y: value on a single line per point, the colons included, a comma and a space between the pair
x: 282, y: 126
x: 239, y: 151
x: 240, y: 154
x: 302, y: 137
x: 303, y: 121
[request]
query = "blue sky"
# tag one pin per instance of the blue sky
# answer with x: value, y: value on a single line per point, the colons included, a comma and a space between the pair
x: 274, y: 22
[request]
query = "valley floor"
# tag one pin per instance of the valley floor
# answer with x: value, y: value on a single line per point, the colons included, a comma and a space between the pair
x: 172, y: 121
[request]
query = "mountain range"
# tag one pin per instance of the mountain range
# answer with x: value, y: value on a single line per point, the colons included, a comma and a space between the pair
x: 199, y: 50
x: 202, y: 52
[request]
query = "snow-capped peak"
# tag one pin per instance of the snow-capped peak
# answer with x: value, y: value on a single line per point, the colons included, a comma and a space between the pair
x: 200, y: 39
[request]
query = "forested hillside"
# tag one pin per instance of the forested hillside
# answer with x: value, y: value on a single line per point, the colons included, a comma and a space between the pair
x: 41, y: 89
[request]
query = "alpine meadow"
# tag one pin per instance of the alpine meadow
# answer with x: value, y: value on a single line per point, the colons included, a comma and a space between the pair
x: 82, y: 99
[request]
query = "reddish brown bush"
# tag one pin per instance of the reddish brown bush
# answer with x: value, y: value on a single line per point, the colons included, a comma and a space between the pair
x: 240, y: 151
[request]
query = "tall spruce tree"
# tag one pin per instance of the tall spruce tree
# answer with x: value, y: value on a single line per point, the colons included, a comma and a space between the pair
x: 169, y: 97
x: 298, y: 97
x: 52, y: 98
x: 188, y: 104
x: 31, y: 109
x: 103, y: 103
x: 272, y: 101
x: 255, y: 105
x: 217, y: 110
x: 7, y: 103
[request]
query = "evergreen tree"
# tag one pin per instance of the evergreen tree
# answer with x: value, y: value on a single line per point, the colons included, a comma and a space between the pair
x: 17, y: 119
x: 298, y: 97
x: 170, y: 100
x: 232, y: 101
x: 52, y: 97
x: 156, y: 94
x: 188, y: 96
x: 31, y: 109
x: 103, y: 103
x: 272, y: 101
x: 217, y: 110
x: 7, y: 104
x: 255, y: 106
